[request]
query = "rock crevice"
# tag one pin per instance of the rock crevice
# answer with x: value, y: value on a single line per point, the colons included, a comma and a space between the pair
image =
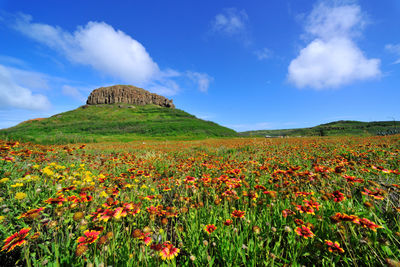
x: 127, y: 94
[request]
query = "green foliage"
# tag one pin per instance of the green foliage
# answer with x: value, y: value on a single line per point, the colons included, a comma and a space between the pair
x: 337, y: 128
x: 115, y: 123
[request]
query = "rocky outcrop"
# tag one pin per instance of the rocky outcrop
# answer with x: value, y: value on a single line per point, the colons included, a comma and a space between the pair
x: 127, y: 94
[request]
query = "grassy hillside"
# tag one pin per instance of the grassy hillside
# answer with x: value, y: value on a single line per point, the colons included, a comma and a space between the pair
x: 115, y: 123
x: 334, y: 129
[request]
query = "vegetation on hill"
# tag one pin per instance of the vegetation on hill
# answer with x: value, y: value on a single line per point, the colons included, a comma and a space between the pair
x: 337, y: 128
x: 118, y: 122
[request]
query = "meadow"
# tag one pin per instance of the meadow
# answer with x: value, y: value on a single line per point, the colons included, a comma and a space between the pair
x: 215, y: 202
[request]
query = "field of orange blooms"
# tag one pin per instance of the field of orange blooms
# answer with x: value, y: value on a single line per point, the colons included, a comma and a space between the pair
x: 218, y: 202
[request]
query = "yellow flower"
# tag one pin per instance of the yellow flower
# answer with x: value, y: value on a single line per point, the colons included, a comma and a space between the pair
x: 17, y: 185
x: 36, y: 166
x: 103, y: 194
x: 20, y: 195
x: 4, y: 180
x: 143, y: 186
x: 1, y: 199
x: 47, y: 171
x: 1, y: 218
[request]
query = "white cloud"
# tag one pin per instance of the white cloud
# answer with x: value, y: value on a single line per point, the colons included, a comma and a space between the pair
x: 332, y: 63
x: 202, y: 80
x: 230, y: 21
x: 97, y: 44
x: 73, y: 92
x: 106, y: 50
x: 13, y: 92
x: 395, y: 49
x: 332, y: 58
x: 264, y: 53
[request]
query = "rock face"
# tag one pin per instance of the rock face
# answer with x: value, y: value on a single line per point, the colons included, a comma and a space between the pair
x: 127, y: 94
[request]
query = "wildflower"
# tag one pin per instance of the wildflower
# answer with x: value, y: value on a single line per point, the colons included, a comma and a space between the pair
x: 334, y: 246
x: 238, y: 214
x: 338, y: 196
x: 168, y: 252
x: 305, y: 209
x: 287, y: 212
x: 209, y: 228
x: 16, y: 239
x: 339, y: 217
x: 78, y: 215
x: 89, y: 237
x: 20, y: 196
x: 365, y: 223
x: 4, y: 180
x: 31, y: 214
x: 304, y: 231
x: 228, y: 222
x: 1, y: 219
x: 17, y: 185
x: 80, y: 250
x: 377, y: 193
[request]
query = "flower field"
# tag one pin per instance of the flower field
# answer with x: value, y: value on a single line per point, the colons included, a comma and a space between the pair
x: 217, y: 202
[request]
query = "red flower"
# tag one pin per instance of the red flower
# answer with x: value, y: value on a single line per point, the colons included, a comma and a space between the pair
x: 209, y: 228
x: 16, y: 239
x: 31, y: 214
x: 342, y: 217
x: 338, y: 196
x: 238, y: 214
x: 58, y: 200
x: 89, y: 237
x: 312, y: 204
x: 228, y: 222
x: 334, y: 246
x: 305, y: 209
x: 377, y: 193
x: 304, y: 231
x: 365, y: 223
x: 352, y: 179
x: 168, y: 252
x: 287, y: 212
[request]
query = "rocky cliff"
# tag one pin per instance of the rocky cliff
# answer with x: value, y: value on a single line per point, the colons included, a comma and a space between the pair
x: 127, y: 94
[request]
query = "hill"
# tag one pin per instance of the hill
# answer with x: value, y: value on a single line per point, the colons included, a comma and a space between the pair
x: 115, y: 122
x: 335, y: 128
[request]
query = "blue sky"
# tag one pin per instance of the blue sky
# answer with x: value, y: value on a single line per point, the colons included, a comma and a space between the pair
x: 244, y: 64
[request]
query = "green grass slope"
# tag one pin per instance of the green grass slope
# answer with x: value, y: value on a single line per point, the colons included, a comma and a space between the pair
x: 336, y: 128
x: 114, y: 123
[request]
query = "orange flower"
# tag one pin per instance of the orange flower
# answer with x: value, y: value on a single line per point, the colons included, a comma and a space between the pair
x: 228, y: 222
x: 305, y: 209
x: 89, y: 237
x: 31, y: 214
x: 334, y: 246
x: 168, y: 252
x: 304, y: 231
x: 343, y: 217
x: 238, y: 214
x: 16, y: 239
x: 377, y: 193
x: 365, y: 223
x: 209, y: 228
x: 338, y: 196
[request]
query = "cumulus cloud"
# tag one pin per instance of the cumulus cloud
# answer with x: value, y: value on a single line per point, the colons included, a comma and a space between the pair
x: 14, y: 93
x: 231, y: 21
x: 107, y: 50
x: 96, y: 44
x: 332, y: 58
x: 395, y: 49
x: 202, y: 80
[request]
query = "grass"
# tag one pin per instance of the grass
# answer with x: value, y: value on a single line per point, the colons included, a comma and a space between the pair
x: 337, y: 128
x: 112, y: 123
x: 142, y: 201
